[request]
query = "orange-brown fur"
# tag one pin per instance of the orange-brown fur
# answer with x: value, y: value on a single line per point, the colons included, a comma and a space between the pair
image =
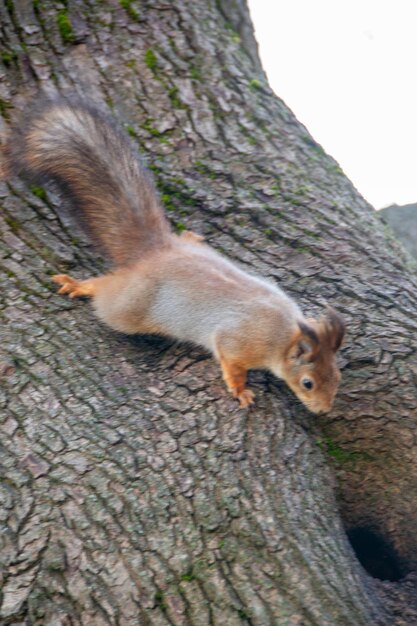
x: 190, y: 235
x: 163, y: 283
x: 318, y: 362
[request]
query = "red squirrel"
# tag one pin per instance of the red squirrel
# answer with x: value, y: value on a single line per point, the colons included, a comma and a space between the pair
x: 163, y: 283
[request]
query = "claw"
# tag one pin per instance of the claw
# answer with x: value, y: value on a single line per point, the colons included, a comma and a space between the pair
x: 246, y: 398
x: 74, y: 288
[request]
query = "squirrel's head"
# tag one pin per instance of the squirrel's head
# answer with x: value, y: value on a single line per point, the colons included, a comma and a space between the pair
x: 310, y: 368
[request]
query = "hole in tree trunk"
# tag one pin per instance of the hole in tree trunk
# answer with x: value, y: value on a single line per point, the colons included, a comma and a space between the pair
x: 375, y: 554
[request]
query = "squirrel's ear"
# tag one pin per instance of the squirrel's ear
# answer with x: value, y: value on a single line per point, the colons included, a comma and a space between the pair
x: 306, y: 343
x: 336, y: 328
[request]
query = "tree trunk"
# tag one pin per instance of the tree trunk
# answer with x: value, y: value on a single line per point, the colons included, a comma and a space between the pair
x: 133, y: 489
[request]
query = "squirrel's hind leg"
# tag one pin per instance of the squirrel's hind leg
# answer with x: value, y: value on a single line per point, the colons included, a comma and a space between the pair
x: 75, y: 288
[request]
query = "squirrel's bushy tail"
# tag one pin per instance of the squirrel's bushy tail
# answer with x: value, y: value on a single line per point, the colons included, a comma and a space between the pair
x: 80, y: 149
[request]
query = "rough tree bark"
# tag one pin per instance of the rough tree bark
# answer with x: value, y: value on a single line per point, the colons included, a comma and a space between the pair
x: 133, y: 489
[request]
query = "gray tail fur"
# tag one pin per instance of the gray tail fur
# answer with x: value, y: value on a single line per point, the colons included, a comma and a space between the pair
x: 80, y: 149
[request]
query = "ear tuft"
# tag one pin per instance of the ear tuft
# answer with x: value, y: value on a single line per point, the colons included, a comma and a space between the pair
x: 336, y: 328
x: 309, y: 332
x: 307, y: 342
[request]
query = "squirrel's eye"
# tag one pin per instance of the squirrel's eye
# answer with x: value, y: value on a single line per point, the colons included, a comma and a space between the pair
x: 307, y: 383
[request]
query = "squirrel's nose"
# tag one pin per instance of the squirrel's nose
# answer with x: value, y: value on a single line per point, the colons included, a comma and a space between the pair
x: 324, y: 408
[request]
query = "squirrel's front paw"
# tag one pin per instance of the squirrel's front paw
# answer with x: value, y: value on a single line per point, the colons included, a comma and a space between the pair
x: 74, y: 288
x: 246, y: 398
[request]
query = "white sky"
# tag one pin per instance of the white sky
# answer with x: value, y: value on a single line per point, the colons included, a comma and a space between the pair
x: 348, y: 70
